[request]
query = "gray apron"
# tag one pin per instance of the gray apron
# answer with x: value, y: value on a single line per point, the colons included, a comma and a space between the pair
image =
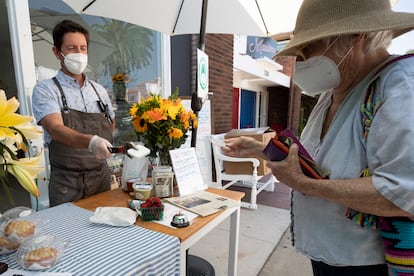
x: 76, y: 173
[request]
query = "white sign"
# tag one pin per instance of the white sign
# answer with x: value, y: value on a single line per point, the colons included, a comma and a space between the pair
x: 187, y: 171
x: 203, y: 147
x: 202, y: 74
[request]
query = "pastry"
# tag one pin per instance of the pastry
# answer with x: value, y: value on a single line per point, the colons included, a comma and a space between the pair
x: 43, y: 256
x: 7, y: 244
x: 21, y: 228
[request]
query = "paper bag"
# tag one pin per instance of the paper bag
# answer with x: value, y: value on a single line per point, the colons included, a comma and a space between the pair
x: 136, y: 167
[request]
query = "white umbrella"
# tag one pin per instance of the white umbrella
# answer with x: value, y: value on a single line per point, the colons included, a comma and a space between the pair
x: 174, y: 17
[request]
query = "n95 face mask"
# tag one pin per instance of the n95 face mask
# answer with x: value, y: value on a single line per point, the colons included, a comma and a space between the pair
x: 76, y: 62
x: 316, y: 75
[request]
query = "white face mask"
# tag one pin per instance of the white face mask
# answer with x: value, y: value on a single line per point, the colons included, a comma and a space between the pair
x: 76, y: 62
x: 316, y: 75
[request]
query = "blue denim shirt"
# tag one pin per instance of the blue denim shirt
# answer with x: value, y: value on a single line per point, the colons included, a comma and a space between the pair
x: 320, y: 227
x: 46, y: 98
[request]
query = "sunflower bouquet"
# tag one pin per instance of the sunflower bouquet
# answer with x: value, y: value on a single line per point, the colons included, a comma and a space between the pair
x: 15, y: 130
x: 162, y: 124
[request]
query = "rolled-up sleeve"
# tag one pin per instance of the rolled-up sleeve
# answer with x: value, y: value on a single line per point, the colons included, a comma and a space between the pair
x: 390, y: 143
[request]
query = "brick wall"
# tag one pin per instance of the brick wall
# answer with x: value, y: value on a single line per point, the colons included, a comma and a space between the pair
x: 219, y: 49
x: 284, y: 103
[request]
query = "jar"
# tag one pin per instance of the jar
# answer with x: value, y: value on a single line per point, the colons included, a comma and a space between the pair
x: 142, y: 190
x: 162, y: 180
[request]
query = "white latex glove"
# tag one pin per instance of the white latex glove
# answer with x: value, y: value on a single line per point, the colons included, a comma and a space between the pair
x: 99, y: 146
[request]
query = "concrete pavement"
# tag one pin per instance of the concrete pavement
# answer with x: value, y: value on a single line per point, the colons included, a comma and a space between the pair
x: 286, y: 261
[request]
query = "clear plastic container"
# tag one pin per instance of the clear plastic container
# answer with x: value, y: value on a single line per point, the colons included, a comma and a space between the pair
x: 41, y: 252
x: 18, y: 225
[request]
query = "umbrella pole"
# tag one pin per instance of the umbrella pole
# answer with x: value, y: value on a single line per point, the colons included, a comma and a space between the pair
x: 196, y: 102
x: 202, y: 35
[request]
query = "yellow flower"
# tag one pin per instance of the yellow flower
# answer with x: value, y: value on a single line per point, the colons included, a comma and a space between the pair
x: 139, y: 124
x: 120, y: 77
x: 15, y: 130
x: 175, y: 133
x: 133, y: 110
x: 30, y: 164
x: 162, y: 124
x: 173, y: 108
x: 25, y: 178
x: 8, y: 117
x: 194, y: 119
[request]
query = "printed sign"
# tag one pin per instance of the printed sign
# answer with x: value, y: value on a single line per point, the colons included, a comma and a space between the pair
x: 259, y: 47
x: 202, y: 74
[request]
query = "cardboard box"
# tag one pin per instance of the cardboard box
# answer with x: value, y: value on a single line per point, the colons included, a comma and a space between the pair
x: 263, y: 135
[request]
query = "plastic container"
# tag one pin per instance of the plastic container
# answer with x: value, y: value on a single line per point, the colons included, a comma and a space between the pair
x: 41, y: 252
x: 18, y: 225
x: 8, y: 244
x: 142, y: 190
x: 152, y: 213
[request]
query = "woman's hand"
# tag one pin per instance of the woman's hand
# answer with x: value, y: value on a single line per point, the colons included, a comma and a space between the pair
x: 288, y: 171
x: 243, y: 146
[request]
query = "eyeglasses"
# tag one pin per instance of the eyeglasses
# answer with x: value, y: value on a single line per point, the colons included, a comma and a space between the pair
x: 302, y: 53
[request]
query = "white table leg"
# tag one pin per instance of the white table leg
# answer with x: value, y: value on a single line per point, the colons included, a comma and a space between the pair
x: 234, y: 242
x: 183, y: 261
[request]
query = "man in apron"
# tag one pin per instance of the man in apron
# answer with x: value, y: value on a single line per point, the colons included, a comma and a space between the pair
x: 78, y: 119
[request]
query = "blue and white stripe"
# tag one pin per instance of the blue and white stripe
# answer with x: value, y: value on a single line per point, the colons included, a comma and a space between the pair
x: 97, y: 249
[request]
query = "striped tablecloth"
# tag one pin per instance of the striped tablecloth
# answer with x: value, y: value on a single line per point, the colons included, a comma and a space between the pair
x: 96, y: 249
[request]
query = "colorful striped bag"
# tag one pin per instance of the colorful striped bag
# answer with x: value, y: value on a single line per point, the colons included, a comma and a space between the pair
x: 397, y: 232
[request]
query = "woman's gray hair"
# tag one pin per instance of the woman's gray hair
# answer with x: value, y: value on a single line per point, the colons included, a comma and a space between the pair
x: 374, y: 41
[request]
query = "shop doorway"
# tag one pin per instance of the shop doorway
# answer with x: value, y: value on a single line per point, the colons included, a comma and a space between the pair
x: 247, y: 109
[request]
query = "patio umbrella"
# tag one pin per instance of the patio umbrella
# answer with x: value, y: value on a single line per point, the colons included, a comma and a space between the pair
x: 174, y: 17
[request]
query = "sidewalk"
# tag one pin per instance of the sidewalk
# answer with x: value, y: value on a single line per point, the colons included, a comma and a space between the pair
x: 286, y: 261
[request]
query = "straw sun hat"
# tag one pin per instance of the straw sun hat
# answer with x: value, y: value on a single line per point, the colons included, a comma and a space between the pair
x: 319, y: 19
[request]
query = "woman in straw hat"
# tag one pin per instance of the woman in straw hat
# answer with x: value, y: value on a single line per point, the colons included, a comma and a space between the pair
x: 341, y: 48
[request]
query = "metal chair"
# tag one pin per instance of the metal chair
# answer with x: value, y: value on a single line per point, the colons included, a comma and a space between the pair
x: 225, y: 180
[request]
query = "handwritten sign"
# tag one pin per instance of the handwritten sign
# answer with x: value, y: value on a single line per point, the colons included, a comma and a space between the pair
x: 187, y: 171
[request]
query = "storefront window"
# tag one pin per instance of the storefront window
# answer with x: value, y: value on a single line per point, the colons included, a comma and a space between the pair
x: 124, y: 58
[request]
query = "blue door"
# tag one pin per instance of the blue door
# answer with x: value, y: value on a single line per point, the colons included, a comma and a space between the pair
x: 247, y: 109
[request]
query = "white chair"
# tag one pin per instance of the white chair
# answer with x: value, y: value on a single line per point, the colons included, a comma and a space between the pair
x: 245, y: 180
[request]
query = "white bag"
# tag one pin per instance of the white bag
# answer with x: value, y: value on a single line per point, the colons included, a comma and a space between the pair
x: 136, y: 167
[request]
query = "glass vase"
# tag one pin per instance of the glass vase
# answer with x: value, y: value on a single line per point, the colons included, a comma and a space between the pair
x: 164, y: 158
x: 163, y: 176
x: 120, y: 90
